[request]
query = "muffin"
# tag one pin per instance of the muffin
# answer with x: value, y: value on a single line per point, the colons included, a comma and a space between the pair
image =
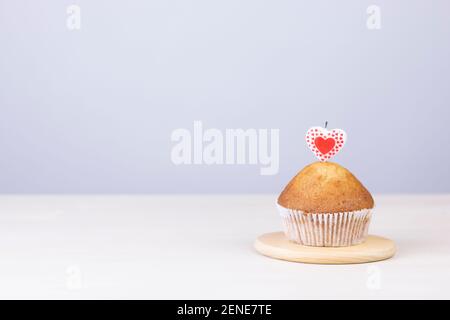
x: 325, y: 205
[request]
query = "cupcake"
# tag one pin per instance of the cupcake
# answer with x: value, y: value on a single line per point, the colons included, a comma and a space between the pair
x: 325, y: 205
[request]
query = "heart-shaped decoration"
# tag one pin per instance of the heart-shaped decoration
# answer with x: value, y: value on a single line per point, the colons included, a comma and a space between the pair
x: 325, y: 143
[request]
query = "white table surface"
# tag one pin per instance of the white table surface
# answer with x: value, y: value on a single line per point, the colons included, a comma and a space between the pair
x: 201, y: 247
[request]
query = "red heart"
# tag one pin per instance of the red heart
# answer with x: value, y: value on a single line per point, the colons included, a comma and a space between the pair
x: 324, y: 145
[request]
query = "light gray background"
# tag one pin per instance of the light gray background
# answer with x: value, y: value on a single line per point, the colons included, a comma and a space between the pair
x: 91, y: 111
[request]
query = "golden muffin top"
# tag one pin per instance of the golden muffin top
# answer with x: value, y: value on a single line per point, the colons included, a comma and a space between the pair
x: 325, y: 187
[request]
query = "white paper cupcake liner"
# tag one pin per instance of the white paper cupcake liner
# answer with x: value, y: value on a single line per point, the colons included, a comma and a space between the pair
x: 326, y: 229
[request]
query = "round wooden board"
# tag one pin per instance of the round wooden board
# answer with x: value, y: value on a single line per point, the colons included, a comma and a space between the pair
x: 276, y: 245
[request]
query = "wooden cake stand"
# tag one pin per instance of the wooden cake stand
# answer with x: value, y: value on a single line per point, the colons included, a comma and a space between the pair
x: 276, y: 245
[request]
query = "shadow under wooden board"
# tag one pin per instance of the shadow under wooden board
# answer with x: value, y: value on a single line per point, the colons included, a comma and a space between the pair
x: 276, y: 245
